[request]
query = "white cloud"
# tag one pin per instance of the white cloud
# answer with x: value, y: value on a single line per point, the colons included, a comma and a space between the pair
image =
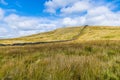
x: 15, y: 25
x: 3, y: 30
x: 67, y: 6
x: 21, y: 25
x: 19, y: 22
x: 102, y: 10
x: 1, y: 13
x: 102, y: 16
x: 98, y: 13
x: 76, y: 7
x: 28, y: 23
x: 69, y: 22
x: 53, y: 5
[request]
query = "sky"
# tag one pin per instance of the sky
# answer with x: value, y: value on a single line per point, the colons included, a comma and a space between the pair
x: 26, y: 17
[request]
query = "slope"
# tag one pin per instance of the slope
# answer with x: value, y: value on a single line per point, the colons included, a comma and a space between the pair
x: 101, y: 33
x: 56, y: 35
x: 90, y: 33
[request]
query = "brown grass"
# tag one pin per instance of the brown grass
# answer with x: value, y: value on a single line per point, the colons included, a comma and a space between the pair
x: 89, y: 60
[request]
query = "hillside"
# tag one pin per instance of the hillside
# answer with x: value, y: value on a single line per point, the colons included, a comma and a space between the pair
x: 89, y: 57
x: 90, y: 33
x: 58, y: 34
x: 101, y: 33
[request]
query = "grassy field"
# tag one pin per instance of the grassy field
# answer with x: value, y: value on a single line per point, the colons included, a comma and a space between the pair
x: 59, y: 34
x: 90, y: 33
x: 101, y: 33
x: 93, y: 56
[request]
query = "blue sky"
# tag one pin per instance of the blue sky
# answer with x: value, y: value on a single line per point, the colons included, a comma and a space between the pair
x: 25, y: 17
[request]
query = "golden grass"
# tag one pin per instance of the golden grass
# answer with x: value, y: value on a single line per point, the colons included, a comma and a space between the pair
x: 90, y: 60
x: 95, y: 55
x: 90, y: 33
x: 101, y: 33
x: 59, y: 34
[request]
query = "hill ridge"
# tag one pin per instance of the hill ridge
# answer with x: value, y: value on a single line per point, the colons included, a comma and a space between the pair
x: 31, y: 43
x: 67, y: 34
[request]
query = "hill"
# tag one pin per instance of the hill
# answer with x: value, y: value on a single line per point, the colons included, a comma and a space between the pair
x: 101, y: 33
x: 93, y: 54
x: 56, y: 35
x: 90, y: 33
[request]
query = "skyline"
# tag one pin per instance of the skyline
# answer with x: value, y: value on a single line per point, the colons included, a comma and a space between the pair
x: 23, y: 17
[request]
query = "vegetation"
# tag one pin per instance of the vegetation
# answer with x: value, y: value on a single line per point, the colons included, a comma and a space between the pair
x: 93, y: 60
x: 59, y: 34
x: 97, y: 59
x: 90, y: 33
x: 101, y: 33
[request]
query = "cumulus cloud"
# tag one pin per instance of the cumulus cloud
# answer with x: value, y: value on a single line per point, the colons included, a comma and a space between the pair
x: 69, y: 13
x: 15, y: 25
x: 3, y: 31
x: 97, y: 16
x: 102, y: 16
x: 69, y: 22
x: 67, y: 6
x: 53, y: 5
x: 76, y: 7
x: 97, y: 13
x: 28, y: 23
x: 1, y: 14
